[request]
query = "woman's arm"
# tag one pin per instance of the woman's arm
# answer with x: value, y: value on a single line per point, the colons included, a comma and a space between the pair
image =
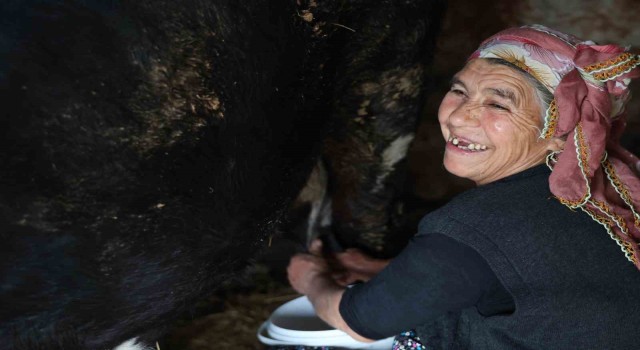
x: 310, y: 275
x: 433, y: 275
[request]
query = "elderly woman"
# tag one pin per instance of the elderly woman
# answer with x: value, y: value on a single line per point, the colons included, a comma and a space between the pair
x: 543, y: 253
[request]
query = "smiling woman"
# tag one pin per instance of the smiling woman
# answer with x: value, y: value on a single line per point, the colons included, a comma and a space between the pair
x: 534, y: 119
x: 490, y: 119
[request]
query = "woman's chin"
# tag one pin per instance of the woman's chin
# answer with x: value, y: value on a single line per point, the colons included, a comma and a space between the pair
x: 463, y: 165
x: 455, y: 168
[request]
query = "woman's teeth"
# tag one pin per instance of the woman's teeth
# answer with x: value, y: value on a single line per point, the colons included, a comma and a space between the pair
x: 469, y: 147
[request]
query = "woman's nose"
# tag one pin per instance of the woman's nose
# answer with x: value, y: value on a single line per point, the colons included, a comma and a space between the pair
x: 466, y: 115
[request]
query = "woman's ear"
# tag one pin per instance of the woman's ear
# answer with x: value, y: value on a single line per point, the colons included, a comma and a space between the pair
x: 555, y: 144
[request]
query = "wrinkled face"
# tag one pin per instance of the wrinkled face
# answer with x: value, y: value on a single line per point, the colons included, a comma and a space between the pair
x: 490, y: 119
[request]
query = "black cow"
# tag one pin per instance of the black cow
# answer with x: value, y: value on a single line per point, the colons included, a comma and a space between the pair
x: 149, y: 147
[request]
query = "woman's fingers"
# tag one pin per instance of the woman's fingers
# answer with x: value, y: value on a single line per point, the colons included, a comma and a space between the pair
x: 303, y: 269
x: 360, y: 266
x: 344, y: 268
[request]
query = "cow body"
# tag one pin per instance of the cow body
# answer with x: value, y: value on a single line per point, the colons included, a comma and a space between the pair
x: 149, y: 147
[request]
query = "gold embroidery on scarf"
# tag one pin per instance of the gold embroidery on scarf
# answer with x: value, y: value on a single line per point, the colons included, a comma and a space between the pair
x: 517, y: 61
x: 583, y: 153
x: 626, y: 247
x: 617, y: 219
x: 608, y: 63
x: 613, y: 68
x: 550, y: 120
x: 573, y: 204
x: 583, y: 158
x: 621, y: 189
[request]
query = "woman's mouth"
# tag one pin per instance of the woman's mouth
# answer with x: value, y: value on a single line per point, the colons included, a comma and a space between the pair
x: 465, y: 145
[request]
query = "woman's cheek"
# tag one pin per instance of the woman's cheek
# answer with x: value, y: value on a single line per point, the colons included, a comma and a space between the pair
x: 498, y: 124
x: 444, y: 110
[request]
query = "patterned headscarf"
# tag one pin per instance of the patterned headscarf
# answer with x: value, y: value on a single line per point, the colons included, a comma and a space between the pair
x: 589, y: 84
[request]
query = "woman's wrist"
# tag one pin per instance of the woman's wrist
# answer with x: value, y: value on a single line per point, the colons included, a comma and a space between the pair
x: 325, y: 298
x: 309, y: 274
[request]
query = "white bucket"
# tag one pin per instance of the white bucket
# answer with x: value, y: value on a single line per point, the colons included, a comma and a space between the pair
x: 296, y: 323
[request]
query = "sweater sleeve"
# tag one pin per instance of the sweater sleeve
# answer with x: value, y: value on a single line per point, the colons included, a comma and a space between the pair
x: 433, y: 275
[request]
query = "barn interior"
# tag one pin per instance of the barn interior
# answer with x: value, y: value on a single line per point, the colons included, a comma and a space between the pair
x: 230, y: 319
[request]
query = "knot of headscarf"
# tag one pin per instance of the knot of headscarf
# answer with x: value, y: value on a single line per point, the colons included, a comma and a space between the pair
x: 589, y: 83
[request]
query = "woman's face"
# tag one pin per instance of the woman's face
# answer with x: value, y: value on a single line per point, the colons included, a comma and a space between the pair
x: 490, y: 119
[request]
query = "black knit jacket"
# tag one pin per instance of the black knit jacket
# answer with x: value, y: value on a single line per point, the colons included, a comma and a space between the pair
x: 572, y: 285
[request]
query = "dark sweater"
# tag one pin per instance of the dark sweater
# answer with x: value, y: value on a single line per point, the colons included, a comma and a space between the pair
x: 573, y: 288
x: 572, y: 285
x: 433, y: 275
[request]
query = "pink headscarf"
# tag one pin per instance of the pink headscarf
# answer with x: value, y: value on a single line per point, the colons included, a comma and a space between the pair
x: 589, y: 83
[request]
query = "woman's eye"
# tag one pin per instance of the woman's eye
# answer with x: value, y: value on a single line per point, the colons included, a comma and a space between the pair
x: 456, y: 91
x: 498, y: 106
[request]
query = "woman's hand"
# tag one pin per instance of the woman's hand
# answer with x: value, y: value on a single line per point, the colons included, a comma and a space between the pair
x: 310, y: 274
x: 344, y: 268
x: 354, y: 265
x: 305, y: 270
